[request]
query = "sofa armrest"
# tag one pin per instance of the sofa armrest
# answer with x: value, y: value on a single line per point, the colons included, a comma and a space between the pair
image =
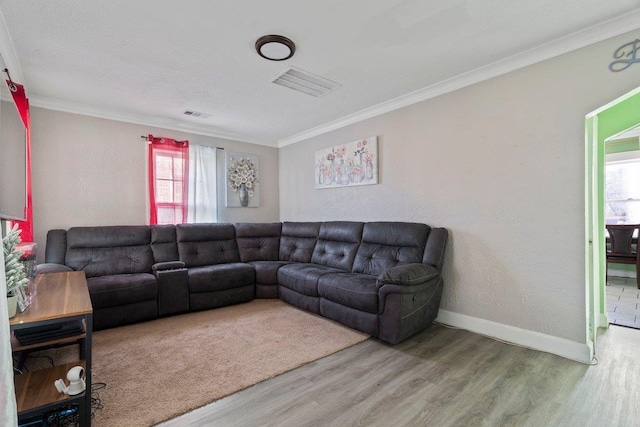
x: 173, y: 288
x: 406, y: 310
x: 51, y: 267
x: 407, y: 275
x: 170, y: 265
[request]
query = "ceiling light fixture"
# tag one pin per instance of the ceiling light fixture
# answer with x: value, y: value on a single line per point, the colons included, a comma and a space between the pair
x: 275, y: 48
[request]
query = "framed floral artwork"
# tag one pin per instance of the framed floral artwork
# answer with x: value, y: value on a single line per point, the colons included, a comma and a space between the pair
x: 353, y: 163
x: 242, y: 173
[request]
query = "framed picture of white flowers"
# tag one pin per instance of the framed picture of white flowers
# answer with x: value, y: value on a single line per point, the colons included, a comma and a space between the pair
x: 242, y: 180
x: 344, y: 165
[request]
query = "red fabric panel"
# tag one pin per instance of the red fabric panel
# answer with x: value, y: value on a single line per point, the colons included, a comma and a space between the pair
x: 178, y: 151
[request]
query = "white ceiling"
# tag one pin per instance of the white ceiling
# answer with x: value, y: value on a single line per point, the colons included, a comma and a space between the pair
x: 148, y: 61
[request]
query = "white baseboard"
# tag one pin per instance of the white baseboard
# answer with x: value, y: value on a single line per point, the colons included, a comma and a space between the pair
x: 580, y: 352
x: 604, y: 321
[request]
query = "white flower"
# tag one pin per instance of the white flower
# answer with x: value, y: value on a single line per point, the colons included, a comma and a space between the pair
x: 242, y: 171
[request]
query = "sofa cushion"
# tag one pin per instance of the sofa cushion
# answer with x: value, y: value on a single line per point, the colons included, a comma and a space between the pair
x: 258, y: 242
x: 102, y: 251
x: 337, y: 244
x: 387, y: 244
x: 303, y: 277
x: 206, y: 244
x: 220, y: 277
x: 353, y: 290
x: 298, y: 241
x: 122, y: 289
x: 356, y: 319
x: 163, y: 243
x: 267, y: 271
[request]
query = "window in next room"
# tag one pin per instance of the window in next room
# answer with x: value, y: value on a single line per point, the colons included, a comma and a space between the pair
x: 622, y: 187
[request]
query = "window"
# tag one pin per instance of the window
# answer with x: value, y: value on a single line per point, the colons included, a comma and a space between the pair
x: 168, y: 180
x: 622, y: 192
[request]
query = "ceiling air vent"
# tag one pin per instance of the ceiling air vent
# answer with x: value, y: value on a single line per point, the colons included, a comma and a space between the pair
x: 196, y: 114
x: 305, y: 82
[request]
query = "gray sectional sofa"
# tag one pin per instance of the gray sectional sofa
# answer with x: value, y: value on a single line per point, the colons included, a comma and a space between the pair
x: 382, y: 278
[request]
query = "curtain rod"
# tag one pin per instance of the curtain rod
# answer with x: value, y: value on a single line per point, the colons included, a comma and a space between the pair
x: 146, y: 138
x: 161, y: 139
x: 12, y: 86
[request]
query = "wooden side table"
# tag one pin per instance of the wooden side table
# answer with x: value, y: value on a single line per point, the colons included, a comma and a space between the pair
x: 58, y: 298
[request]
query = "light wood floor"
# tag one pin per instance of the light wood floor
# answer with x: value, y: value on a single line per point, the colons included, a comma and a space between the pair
x: 443, y: 377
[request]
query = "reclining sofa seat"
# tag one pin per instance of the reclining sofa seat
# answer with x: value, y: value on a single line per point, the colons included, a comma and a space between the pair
x: 117, y: 262
x: 259, y: 246
x: 217, y: 277
x: 315, y: 249
x: 404, y: 297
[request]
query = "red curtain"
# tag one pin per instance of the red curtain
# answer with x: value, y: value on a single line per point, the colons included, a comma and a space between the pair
x: 168, y: 180
x: 22, y: 103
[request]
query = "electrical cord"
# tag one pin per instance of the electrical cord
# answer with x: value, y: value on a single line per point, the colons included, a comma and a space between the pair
x: 69, y: 416
x: 96, y: 403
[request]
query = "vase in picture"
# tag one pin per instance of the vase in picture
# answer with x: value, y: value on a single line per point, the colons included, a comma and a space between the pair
x: 369, y: 170
x: 244, y: 195
x: 345, y: 177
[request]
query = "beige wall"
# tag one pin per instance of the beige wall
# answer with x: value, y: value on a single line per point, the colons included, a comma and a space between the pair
x: 501, y: 165
x: 91, y: 171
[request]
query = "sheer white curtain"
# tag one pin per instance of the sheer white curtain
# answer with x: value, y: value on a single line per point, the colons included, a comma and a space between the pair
x: 8, y: 409
x: 202, y: 199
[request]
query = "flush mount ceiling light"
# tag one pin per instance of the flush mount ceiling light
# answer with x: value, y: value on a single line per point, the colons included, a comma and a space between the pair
x: 275, y: 48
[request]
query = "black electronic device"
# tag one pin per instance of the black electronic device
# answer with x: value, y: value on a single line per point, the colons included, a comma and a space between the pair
x: 48, y: 332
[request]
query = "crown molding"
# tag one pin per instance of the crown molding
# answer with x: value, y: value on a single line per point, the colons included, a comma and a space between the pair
x: 577, y: 40
x: 10, y: 57
x: 588, y: 36
x: 170, y: 124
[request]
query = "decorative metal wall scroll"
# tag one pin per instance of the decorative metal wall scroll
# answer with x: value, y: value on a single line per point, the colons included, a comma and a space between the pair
x: 625, y: 56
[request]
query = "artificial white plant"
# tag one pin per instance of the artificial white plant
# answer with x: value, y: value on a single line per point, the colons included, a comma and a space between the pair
x: 14, y: 270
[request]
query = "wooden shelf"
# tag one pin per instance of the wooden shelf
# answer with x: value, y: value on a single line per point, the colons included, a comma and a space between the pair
x: 71, y: 339
x: 58, y: 298
x: 36, y: 389
x: 17, y: 347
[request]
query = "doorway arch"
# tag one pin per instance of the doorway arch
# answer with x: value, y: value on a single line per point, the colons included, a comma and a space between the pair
x: 617, y: 116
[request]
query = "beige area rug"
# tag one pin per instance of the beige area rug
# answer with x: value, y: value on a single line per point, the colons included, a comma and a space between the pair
x: 160, y: 369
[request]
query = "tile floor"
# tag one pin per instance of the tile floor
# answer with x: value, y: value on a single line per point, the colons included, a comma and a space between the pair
x: 623, y: 301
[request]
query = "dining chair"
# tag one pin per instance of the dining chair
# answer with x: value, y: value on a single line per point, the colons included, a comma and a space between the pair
x: 623, y: 246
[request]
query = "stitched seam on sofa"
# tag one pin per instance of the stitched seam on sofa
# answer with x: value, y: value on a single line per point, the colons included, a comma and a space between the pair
x: 349, y: 290
x: 425, y: 303
x: 101, y: 291
x: 217, y: 275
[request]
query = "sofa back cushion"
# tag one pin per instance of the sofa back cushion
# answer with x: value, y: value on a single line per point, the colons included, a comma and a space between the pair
x: 163, y: 243
x: 337, y: 244
x: 298, y: 241
x: 258, y: 242
x: 102, y: 251
x: 206, y: 244
x: 387, y: 244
